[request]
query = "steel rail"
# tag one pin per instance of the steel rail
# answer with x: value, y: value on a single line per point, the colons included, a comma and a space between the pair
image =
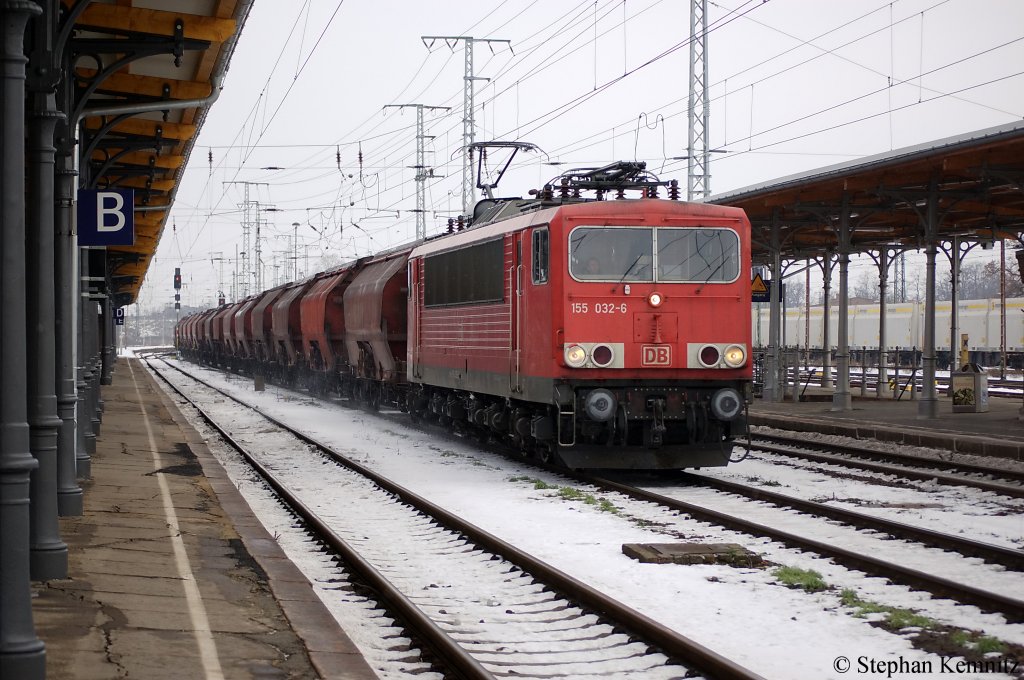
x: 439, y: 642
x: 1007, y: 557
x: 893, y: 456
x: 1010, y: 607
x: 676, y: 646
x: 899, y: 471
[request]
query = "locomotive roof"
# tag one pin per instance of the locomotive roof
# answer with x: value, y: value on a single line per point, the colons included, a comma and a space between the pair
x: 542, y: 212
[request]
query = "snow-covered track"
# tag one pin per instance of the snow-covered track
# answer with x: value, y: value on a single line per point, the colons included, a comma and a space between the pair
x: 499, y: 616
x: 1012, y: 608
x: 900, y: 465
x: 1008, y: 557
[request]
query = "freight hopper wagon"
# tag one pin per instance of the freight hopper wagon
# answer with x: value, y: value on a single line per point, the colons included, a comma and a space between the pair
x: 595, y: 333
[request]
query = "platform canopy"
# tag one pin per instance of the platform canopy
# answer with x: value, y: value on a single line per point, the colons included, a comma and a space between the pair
x: 145, y: 74
x: 978, y: 177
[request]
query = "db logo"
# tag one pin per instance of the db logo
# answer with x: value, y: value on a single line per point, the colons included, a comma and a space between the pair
x: 656, y: 355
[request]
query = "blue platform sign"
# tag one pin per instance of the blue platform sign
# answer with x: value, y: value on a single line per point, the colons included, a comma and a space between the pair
x: 119, y: 316
x: 106, y: 217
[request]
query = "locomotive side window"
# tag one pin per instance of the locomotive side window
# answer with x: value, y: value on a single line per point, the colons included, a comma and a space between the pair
x: 611, y: 253
x: 470, y: 275
x: 540, y: 255
x: 698, y: 255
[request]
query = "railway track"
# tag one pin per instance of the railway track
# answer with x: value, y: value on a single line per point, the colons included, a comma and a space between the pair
x: 1012, y: 608
x: 901, y: 465
x: 493, y: 610
x: 1008, y: 557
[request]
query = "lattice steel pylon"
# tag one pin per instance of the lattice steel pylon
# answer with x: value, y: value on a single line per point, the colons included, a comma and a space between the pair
x: 698, y: 184
x: 250, y: 219
x: 468, y: 121
x: 422, y: 171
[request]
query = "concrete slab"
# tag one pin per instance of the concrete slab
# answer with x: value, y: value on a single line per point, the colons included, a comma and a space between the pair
x: 692, y: 553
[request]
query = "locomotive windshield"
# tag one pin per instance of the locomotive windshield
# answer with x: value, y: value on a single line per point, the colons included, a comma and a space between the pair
x: 643, y: 254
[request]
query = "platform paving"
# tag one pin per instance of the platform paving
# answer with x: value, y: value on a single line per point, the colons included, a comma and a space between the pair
x: 194, y: 588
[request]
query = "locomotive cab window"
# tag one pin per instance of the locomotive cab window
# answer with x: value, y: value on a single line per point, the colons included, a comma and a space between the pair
x: 698, y: 255
x: 540, y: 255
x: 643, y: 254
x: 611, y: 253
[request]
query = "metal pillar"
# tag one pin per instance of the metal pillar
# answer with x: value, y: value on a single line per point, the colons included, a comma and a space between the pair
x: 842, y: 399
x: 773, y: 391
x: 73, y: 459
x: 49, y: 555
x: 109, y: 350
x: 882, y: 386
x: 422, y: 172
x: 954, y: 305
x: 95, y: 353
x: 826, y: 321
x: 928, y: 406
x: 83, y: 412
x: 468, y: 106
x: 1002, y: 309
x: 22, y: 654
x: 698, y: 177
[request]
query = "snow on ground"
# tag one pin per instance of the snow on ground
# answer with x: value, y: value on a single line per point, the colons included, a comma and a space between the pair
x: 974, y: 513
x: 743, y: 613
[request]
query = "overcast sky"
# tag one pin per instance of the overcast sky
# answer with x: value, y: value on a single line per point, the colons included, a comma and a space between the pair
x: 795, y: 85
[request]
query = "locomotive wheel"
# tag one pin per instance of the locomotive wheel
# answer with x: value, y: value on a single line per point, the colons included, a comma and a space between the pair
x: 548, y: 454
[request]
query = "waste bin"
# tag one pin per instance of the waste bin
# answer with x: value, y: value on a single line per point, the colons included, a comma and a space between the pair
x: 969, y: 387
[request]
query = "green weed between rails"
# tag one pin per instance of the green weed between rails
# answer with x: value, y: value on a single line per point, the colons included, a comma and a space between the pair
x: 569, y: 493
x: 806, y: 579
x: 897, y: 618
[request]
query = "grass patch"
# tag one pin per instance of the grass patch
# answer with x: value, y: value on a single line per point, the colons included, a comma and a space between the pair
x: 606, y: 506
x: 984, y: 644
x: 520, y: 478
x: 905, y: 618
x: 571, y: 494
x: 806, y: 579
x: 540, y: 484
x: 896, y: 618
x: 933, y: 636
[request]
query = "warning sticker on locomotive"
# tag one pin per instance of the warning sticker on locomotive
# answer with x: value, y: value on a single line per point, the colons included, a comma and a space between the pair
x: 656, y: 355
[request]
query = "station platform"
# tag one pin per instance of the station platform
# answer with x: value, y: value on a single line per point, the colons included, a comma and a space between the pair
x: 999, y: 432
x: 170, y: 575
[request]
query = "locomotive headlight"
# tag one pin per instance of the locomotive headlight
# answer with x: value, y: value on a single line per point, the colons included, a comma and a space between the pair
x: 735, y: 356
x: 655, y: 299
x: 726, y: 404
x: 575, y: 356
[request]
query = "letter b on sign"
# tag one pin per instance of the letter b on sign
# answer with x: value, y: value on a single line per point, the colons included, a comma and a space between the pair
x: 109, y: 211
x: 106, y: 218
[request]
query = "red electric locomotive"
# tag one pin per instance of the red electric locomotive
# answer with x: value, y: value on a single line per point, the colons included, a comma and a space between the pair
x: 596, y: 333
